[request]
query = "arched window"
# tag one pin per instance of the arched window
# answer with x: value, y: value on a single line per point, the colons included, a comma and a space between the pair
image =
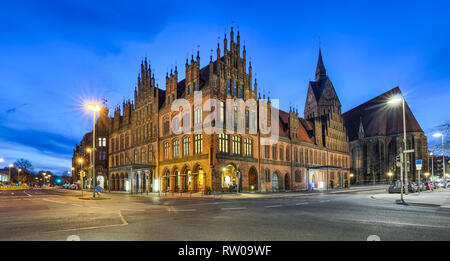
x: 287, y: 154
x: 136, y: 156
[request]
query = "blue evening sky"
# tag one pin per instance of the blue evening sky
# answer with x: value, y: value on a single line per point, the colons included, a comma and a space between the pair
x: 56, y: 54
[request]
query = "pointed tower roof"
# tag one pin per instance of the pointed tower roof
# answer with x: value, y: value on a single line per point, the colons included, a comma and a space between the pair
x: 320, y: 70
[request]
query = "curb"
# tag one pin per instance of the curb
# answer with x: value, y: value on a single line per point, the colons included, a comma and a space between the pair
x: 409, y: 203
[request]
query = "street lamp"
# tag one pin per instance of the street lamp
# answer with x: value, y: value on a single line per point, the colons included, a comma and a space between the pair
x: 396, y: 100
x: 94, y: 108
x: 390, y: 174
x: 437, y: 135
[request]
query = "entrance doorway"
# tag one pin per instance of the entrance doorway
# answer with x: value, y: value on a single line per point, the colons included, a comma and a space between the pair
x: 252, y: 180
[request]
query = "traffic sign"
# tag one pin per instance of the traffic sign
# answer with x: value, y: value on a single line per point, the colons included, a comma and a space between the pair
x: 419, y: 164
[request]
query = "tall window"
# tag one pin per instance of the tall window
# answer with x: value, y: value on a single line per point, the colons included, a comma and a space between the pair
x: 198, y: 144
x: 274, y: 152
x: 102, y: 142
x: 237, y: 145
x: 186, y: 146
x: 241, y: 91
x: 166, y: 151
x: 166, y: 128
x: 287, y: 154
x: 281, y: 153
x: 266, y: 151
x: 235, y: 116
x: 223, y: 143
x: 222, y: 112
x: 228, y: 86
x: 150, y: 153
x: 198, y: 116
x: 247, y: 119
x: 176, y: 149
x: 136, y: 156
x: 143, y: 156
x: 235, y: 89
x: 267, y: 175
x: 248, y: 147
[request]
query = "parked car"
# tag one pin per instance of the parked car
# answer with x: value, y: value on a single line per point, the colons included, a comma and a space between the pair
x: 395, y: 187
x: 428, y: 186
x: 73, y: 186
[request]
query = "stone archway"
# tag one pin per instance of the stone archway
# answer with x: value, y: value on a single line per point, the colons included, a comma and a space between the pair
x: 198, y: 178
x: 275, y: 181
x: 252, y: 180
x: 186, y: 178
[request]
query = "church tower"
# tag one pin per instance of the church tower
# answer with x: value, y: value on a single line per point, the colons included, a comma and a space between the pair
x: 323, y: 110
x: 321, y: 96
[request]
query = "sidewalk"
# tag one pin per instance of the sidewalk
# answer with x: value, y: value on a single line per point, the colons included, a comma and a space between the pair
x: 241, y: 195
x: 439, y: 198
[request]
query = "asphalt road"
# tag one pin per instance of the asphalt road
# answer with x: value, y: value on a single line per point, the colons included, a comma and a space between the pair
x: 52, y: 215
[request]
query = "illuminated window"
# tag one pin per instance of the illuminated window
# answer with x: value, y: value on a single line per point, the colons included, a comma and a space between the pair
x: 236, y: 145
x: 223, y: 143
x: 176, y: 149
x: 186, y: 146
x: 198, y: 144
x: 248, y: 147
x: 166, y: 151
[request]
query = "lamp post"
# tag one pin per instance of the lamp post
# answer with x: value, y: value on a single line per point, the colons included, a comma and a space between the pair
x: 395, y: 100
x: 94, y: 108
x: 436, y: 135
x: 89, y: 150
x: 80, y: 161
x: 432, y: 166
x: 9, y: 177
x: 18, y: 175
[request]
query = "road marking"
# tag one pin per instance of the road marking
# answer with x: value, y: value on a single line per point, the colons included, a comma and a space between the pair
x: 273, y: 206
x: 238, y: 208
x: 133, y: 209
x: 183, y: 210
x: 322, y: 201
x: 27, y: 194
x: 59, y: 202
x: 76, y: 205
x: 301, y: 203
x: 124, y: 223
x: 394, y: 223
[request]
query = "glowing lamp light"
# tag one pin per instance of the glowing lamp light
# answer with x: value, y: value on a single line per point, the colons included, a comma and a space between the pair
x: 94, y: 107
x: 437, y: 135
x: 395, y: 99
x: 1, y: 159
x: 11, y: 165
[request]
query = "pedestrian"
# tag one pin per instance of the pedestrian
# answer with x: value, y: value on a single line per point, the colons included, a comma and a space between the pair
x: 98, y: 189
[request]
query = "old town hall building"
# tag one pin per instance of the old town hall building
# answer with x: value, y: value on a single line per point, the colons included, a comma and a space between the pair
x: 145, y: 155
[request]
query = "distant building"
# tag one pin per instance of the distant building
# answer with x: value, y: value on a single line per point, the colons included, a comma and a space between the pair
x: 3, y: 177
x: 375, y: 130
x: 101, y: 155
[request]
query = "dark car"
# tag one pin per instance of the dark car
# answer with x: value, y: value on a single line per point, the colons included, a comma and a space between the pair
x: 395, y: 187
